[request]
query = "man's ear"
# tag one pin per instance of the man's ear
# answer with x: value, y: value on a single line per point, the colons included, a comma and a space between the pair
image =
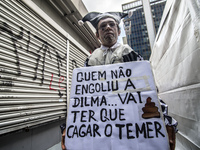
x: 119, y: 32
x: 97, y: 34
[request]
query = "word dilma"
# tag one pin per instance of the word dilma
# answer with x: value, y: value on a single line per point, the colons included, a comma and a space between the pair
x: 129, y: 130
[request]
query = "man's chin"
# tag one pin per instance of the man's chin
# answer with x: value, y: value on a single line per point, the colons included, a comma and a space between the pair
x: 109, y: 37
x: 110, y: 42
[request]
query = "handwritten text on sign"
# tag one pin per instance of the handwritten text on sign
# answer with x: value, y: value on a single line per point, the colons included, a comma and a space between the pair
x: 115, y: 107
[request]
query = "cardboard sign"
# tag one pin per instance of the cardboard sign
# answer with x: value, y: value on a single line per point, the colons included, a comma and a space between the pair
x: 115, y: 107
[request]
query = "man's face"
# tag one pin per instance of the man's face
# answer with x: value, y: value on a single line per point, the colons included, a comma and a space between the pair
x: 108, y: 31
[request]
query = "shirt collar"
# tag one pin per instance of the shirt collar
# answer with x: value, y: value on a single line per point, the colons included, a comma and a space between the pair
x: 113, y: 47
x: 105, y: 49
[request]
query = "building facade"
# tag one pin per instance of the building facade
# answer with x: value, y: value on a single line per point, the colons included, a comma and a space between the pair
x: 136, y: 27
x: 40, y: 45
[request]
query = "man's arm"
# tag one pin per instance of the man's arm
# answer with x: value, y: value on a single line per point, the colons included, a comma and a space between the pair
x: 63, y: 140
x: 171, y: 125
x: 63, y: 130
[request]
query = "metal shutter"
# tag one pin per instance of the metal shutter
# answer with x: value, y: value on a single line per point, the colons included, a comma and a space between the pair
x: 33, y: 68
x: 75, y: 59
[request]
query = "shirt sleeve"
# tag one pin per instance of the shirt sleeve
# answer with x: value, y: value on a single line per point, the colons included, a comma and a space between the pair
x: 168, y: 119
x: 131, y: 55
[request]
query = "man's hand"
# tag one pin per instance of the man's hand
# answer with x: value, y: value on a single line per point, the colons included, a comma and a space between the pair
x: 172, y: 137
x: 63, y: 140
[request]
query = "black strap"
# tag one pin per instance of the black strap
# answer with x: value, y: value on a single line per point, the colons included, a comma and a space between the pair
x: 86, y: 63
x: 132, y: 56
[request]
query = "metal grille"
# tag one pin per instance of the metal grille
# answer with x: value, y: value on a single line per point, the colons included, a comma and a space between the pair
x: 75, y: 61
x: 33, y: 68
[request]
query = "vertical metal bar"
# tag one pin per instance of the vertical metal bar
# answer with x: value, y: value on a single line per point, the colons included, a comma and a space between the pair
x: 67, y: 65
x: 149, y: 22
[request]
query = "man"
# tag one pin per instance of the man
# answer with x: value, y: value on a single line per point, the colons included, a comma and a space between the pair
x: 110, y: 52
